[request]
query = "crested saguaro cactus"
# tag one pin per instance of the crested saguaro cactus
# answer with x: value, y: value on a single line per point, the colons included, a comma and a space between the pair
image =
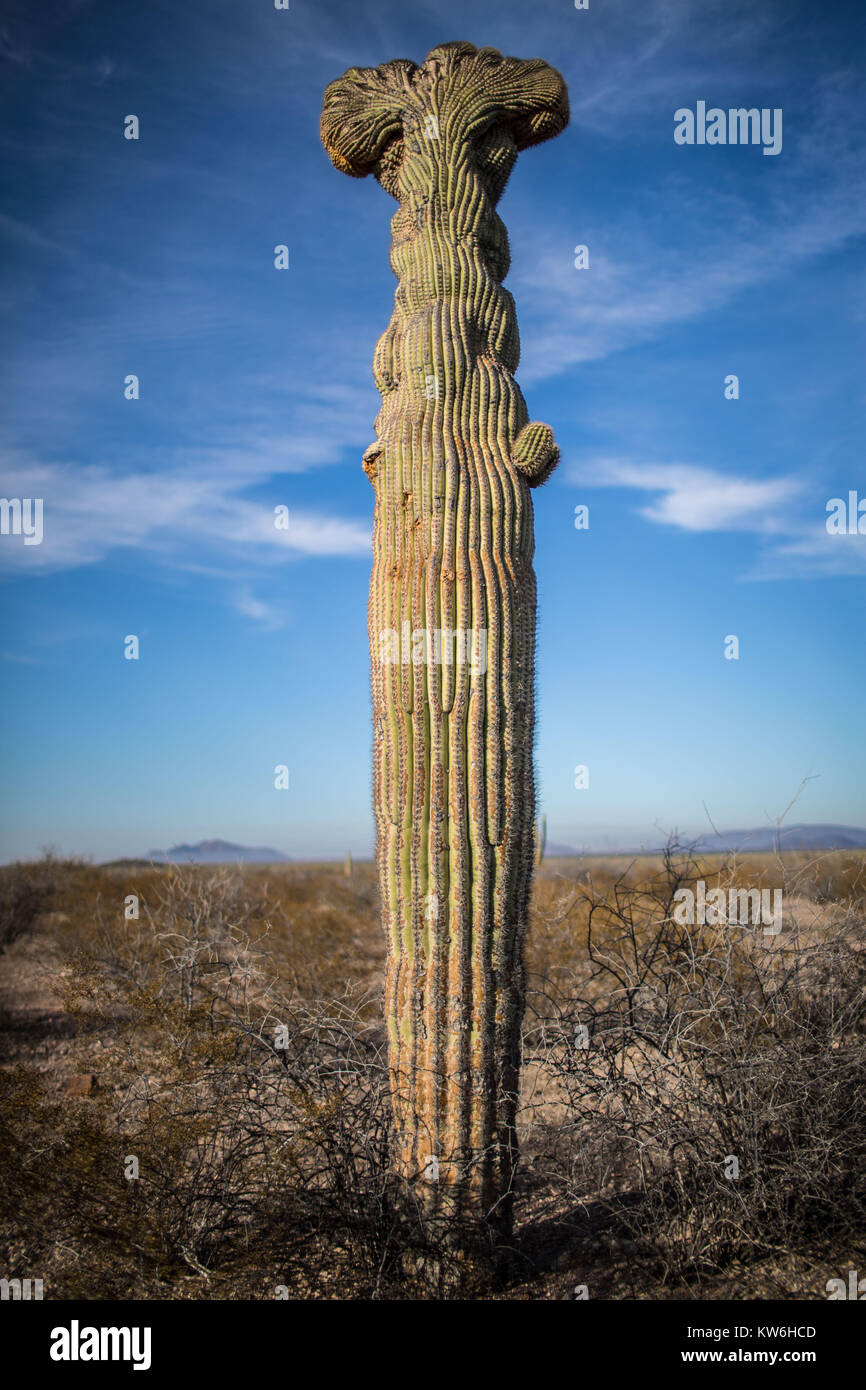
x: 452, y: 603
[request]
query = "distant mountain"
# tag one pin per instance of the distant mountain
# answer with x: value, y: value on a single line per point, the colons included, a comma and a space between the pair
x: 789, y: 836
x: 758, y: 841
x: 554, y: 851
x: 217, y: 852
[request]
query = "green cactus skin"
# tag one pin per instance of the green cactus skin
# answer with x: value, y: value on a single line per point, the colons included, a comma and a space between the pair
x: 454, y: 458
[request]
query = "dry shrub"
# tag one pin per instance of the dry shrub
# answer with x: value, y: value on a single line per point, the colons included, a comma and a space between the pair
x: 235, y: 1030
x: 706, y: 1083
x: 259, y: 1120
x: 27, y: 890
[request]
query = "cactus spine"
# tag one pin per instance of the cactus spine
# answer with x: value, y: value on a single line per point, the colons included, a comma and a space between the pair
x: 452, y: 604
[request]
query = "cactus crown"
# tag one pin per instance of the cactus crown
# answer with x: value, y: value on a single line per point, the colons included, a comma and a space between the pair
x: 500, y: 105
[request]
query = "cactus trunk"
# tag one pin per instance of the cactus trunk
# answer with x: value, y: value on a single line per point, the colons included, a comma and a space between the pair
x: 452, y: 604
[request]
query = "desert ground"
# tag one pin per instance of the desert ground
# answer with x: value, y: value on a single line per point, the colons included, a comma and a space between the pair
x: 194, y: 1086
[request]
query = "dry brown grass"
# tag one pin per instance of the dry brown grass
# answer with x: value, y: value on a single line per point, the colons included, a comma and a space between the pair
x: 262, y: 1165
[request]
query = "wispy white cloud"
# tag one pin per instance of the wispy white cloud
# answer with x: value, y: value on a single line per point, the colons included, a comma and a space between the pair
x: 649, y: 274
x: 812, y: 553
x: 269, y: 616
x: 19, y: 658
x: 647, y: 55
x: 695, y: 498
x: 197, y: 511
x: 635, y: 290
x: 792, y: 543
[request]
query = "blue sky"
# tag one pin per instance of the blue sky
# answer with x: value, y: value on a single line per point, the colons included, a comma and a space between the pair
x: 707, y: 515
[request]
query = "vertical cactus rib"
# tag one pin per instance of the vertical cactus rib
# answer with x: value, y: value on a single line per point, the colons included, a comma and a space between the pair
x: 454, y: 458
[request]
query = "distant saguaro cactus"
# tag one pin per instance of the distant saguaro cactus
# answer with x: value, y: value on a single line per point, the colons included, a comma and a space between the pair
x: 452, y: 603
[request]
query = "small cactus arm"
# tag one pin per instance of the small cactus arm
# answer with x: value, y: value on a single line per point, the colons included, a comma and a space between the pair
x: 452, y: 604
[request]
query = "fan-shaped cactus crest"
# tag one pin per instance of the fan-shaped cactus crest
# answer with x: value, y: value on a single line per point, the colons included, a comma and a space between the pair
x: 452, y: 602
